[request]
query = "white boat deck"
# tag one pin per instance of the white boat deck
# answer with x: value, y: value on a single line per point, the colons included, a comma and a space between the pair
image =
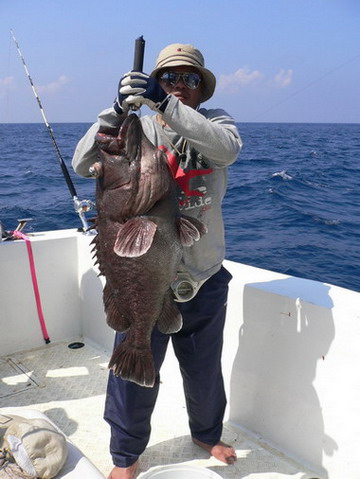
x: 68, y: 385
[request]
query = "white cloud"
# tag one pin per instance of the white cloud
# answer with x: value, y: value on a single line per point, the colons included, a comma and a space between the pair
x: 282, y: 79
x: 242, y: 77
x: 5, y: 84
x: 54, y: 86
x: 7, y: 81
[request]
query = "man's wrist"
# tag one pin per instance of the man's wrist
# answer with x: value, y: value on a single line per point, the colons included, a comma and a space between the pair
x: 118, y: 108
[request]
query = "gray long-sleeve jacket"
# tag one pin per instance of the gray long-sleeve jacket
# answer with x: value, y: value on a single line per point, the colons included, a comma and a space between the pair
x: 200, y: 145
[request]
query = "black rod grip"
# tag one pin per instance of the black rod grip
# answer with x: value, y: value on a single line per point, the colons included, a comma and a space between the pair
x: 139, y: 54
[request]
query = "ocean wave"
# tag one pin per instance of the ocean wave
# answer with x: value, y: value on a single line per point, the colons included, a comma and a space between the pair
x: 282, y: 174
x: 327, y: 221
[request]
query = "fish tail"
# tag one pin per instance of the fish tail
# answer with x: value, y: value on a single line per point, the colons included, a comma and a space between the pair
x: 133, y: 364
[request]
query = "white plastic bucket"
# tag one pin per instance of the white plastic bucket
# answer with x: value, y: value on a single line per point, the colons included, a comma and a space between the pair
x: 179, y: 471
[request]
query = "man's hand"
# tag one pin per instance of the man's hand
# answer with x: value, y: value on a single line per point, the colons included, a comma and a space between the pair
x: 138, y: 89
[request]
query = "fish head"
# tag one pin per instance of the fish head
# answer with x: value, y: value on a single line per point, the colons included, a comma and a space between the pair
x: 132, y: 174
x: 119, y: 156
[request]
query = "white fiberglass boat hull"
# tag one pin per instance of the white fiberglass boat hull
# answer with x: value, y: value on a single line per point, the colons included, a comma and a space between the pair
x: 290, y: 357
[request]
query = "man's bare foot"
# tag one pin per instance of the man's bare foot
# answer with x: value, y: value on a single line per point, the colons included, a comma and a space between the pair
x: 124, y: 472
x: 221, y: 451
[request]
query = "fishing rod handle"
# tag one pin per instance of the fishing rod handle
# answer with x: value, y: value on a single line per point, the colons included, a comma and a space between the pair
x: 138, y: 61
x: 139, y: 54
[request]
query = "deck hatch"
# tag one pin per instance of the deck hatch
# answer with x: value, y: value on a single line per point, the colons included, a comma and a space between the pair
x: 15, y: 378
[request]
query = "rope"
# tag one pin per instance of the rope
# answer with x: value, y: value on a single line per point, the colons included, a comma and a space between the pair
x: 8, y: 467
x: 12, y: 471
x: 20, y: 235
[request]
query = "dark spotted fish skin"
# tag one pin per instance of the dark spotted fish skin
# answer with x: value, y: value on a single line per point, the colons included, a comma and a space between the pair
x: 139, y: 242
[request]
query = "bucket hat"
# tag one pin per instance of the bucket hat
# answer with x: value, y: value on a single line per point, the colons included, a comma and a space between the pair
x: 179, y: 54
x: 38, y: 448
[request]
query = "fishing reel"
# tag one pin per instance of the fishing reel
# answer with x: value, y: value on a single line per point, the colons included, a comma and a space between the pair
x: 82, y: 207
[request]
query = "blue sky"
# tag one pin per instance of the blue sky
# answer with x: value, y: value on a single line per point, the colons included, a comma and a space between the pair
x: 275, y: 60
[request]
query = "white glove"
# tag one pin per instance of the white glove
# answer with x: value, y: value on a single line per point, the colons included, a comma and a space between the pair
x: 137, y: 88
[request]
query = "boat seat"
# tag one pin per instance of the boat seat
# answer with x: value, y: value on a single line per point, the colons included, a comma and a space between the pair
x: 77, y: 465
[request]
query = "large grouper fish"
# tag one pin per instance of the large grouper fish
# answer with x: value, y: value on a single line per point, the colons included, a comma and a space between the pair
x: 139, y: 243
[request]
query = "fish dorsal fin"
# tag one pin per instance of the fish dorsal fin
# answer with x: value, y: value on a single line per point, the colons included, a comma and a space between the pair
x: 135, y: 237
x: 190, y: 230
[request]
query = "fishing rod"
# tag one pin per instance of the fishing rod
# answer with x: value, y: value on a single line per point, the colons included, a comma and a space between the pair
x: 81, y: 206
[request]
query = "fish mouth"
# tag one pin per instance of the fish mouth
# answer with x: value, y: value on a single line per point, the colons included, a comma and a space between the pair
x: 120, y: 156
x: 127, y: 141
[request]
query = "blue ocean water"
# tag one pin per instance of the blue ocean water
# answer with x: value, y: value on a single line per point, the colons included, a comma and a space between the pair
x: 292, y: 206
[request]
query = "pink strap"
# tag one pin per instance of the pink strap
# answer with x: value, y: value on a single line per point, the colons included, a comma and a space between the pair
x: 20, y: 235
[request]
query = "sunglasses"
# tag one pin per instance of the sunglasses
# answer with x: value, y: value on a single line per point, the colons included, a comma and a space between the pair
x: 191, y: 80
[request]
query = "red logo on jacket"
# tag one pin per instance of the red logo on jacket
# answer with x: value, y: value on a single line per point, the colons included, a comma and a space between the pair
x: 182, y: 177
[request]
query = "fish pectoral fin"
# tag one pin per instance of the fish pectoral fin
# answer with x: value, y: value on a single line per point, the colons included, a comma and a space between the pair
x: 170, y: 320
x: 190, y: 230
x: 135, y: 237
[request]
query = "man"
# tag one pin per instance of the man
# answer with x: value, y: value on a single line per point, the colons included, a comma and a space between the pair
x: 199, y: 144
